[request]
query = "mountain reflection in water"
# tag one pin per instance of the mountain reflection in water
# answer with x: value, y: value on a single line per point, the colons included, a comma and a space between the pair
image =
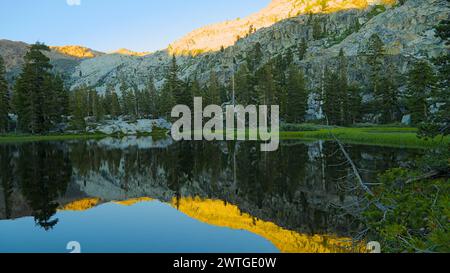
x: 287, y: 197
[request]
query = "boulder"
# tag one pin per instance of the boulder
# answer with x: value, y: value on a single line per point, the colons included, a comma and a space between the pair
x: 127, y: 128
x: 120, y: 126
x: 144, y: 126
x: 406, y: 120
x: 161, y: 124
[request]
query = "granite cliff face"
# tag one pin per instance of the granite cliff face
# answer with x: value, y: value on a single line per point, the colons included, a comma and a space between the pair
x: 407, y: 31
x: 213, y: 37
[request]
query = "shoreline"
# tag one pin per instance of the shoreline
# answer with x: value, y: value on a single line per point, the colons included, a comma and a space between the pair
x: 399, y: 137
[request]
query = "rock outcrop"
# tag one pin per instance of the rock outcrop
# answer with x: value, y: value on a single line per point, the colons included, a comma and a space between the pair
x: 225, y: 34
x: 121, y: 126
x: 77, y: 51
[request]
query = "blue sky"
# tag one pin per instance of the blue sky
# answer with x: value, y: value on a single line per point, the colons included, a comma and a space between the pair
x: 106, y: 25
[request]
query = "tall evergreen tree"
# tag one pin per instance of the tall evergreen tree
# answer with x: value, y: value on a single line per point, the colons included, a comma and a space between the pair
x: 79, y: 108
x: 266, y: 85
x: 375, y: 53
x: 150, y: 99
x: 342, y: 89
x: 170, y: 92
x: 60, y: 100
x: 244, y: 89
x: 116, y: 109
x: 302, y: 49
x: 33, y: 93
x: 421, y: 85
x: 354, y: 108
x: 280, y: 68
x: 297, y: 103
x: 107, y: 101
x: 254, y: 57
x: 196, y: 89
x: 183, y: 93
x: 98, y: 107
x: 330, y: 97
x: 213, y: 93
x: 4, y: 98
x: 128, y: 100
x: 438, y: 123
x: 387, y: 96
x: 317, y: 29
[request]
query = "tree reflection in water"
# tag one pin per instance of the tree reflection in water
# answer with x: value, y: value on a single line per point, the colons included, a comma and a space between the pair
x: 43, y: 173
x: 293, y: 187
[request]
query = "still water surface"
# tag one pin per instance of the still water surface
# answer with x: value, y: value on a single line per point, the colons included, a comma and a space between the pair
x: 145, y: 195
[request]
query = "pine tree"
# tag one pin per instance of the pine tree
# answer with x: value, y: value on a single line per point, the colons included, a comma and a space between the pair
x: 266, y: 85
x: 438, y: 122
x: 213, y: 93
x: 244, y: 90
x: 150, y: 99
x: 60, y: 99
x: 421, y: 84
x: 443, y: 31
x: 4, y: 101
x: 33, y: 92
x: 196, y: 89
x: 183, y: 93
x: 79, y: 108
x: 107, y: 101
x: 354, y: 107
x: 170, y: 92
x: 302, y: 49
x: 116, y: 109
x: 98, y: 105
x: 128, y: 100
x: 331, y: 104
x: 254, y: 57
x: 386, y: 98
x: 375, y: 53
x: 166, y: 101
x: 317, y: 29
x: 297, y: 103
x: 280, y: 67
x: 342, y: 89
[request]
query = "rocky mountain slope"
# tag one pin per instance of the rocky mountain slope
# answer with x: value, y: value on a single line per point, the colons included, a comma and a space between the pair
x: 64, y: 58
x: 77, y: 51
x: 225, y: 34
x: 406, y: 30
x: 13, y: 53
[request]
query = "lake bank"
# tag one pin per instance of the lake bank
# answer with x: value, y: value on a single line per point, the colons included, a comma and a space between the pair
x: 400, y: 137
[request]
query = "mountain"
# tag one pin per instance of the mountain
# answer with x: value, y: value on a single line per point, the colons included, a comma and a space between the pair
x: 406, y: 30
x: 13, y: 53
x: 225, y: 34
x: 77, y: 51
x: 124, y: 51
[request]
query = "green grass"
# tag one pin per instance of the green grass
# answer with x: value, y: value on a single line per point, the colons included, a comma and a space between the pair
x: 12, y: 138
x: 390, y: 136
x: 57, y: 137
x: 381, y: 136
